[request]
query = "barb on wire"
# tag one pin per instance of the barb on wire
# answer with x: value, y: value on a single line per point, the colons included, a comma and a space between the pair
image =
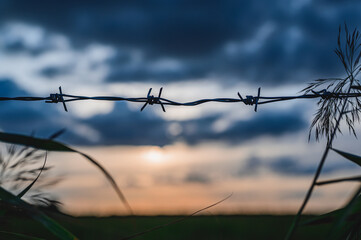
x: 159, y: 100
x: 250, y: 100
x: 153, y: 100
x: 57, y: 97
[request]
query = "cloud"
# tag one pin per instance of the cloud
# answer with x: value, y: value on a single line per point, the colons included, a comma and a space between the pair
x: 136, y: 69
x: 289, y: 166
x: 194, y: 177
x: 268, y: 42
x: 264, y: 123
x: 55, y: 71
x: 125, y: 126
x: 178, y: 28
x: 24, y: 38
x: 250, y: 168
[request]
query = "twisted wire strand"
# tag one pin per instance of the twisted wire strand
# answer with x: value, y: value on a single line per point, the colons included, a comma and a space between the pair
x: 150, y: 99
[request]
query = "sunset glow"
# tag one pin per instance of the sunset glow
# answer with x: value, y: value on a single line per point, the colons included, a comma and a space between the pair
x: 172, y: 179
x: 154, y: 155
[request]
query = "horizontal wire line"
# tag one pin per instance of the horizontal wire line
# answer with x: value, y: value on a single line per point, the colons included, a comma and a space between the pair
x: 249, y: 100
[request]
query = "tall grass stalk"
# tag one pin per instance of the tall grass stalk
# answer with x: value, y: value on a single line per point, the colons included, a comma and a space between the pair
x: 328, y: 110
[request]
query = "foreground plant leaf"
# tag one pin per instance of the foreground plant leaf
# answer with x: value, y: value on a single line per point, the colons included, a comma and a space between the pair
x: 354, y: 158
x: 23, y: 192
x: 37, y: 215
x: 51, y: 145
x: 332, y: 216
x: 341, y: 229
x: 16, y: 236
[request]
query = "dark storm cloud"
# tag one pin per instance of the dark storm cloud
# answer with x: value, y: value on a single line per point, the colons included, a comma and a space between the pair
x: 123, y: 126
x: 162, y: 72
x: 262, y: 124
x: 19, y: 46
x: 174, y: 27
x: 54, y: 71
x: 197, y: 33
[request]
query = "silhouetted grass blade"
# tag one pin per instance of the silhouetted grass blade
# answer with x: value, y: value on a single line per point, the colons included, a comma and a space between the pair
x: 354, y: 158
x: 23, y: 192
x: 37, y: 215
x: 110, y: 179
x: 332, y: 216
x: 51, y: 145
x: 338, y: 180
x: 57, y: 134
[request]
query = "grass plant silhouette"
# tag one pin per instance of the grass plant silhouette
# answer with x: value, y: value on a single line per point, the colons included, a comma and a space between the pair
x: 326, y: 123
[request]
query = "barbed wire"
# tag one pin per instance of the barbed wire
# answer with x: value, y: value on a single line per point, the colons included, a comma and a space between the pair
x: 151, y: 99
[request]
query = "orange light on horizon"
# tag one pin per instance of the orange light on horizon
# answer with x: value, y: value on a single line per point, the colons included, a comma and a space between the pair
x: 154, y: 155
x: 156, y: 180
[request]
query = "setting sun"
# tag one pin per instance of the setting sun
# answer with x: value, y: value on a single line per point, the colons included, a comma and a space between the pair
x: 154, y: 155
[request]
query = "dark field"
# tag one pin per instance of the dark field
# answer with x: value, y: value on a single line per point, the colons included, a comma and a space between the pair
x: 197, y: 227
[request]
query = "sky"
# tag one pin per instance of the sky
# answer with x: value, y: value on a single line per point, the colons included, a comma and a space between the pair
x: 188, y: 157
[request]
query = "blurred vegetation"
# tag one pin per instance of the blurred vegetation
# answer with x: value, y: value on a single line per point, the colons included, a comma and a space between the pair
x: 227, y: 227
x: 22, y: 165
